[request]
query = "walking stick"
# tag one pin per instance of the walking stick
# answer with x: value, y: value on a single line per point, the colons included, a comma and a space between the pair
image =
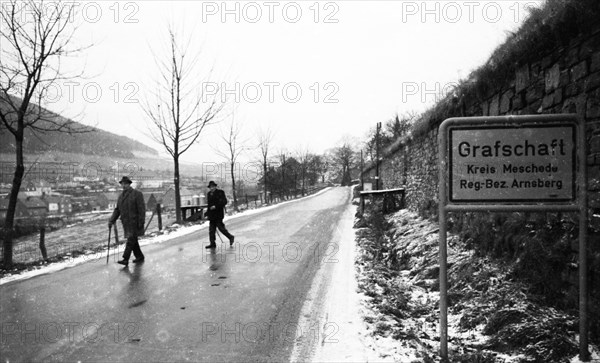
x: 108, y: 250
x: 116, y: 238
x: 219, y: 234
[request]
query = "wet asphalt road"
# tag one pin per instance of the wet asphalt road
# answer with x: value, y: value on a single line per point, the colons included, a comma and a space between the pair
x: 184, y: 303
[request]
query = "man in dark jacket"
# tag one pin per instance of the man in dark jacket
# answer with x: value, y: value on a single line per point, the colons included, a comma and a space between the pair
x: 132, y: 210
x: 216, y: 201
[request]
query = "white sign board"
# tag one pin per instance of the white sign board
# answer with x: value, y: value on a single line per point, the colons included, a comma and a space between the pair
x: 520, y: 163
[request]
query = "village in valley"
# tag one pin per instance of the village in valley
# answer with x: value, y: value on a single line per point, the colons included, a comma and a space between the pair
x: 56, y: 195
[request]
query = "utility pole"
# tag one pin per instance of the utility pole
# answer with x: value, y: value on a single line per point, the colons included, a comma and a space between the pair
x: 283, y: 177
x: 377, y: 156
x: 362, y: 183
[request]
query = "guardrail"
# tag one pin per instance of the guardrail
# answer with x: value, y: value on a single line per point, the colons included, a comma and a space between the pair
x: 390, y: 203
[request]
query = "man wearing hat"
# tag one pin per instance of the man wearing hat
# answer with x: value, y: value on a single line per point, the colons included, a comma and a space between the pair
x: 216, y: 201
x: 132, y: 210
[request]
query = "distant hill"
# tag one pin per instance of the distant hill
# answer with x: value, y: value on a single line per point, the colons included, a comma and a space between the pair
x: 97, y: 142
x: 99, y: 147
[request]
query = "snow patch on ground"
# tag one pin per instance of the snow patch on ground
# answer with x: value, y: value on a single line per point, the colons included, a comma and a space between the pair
x: 594, y: 355
x: 398, y: 271
x: 100, y: 256
x: 343, y: 335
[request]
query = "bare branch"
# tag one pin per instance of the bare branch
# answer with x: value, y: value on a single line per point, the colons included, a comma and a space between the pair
x: 176, y: 110
x: 30, y: 62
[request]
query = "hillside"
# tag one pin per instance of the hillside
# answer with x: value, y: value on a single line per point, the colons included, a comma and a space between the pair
x: 144, y: 162
x: 96, y: 142
x: 98, y: 147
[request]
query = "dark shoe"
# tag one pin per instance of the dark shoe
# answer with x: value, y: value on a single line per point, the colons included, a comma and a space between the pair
x: 123, y: 262
x: 211, y: 246
x: 139, y: 260
x: 231, y: 240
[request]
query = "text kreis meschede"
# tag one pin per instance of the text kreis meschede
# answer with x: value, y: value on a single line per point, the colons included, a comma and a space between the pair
x: 513, y: 169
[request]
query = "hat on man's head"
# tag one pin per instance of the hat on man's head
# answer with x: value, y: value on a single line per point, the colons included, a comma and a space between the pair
x: 125, y: 179
x: 211, y: 183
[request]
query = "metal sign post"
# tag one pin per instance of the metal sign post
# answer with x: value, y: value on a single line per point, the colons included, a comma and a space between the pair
x: 509, y: 164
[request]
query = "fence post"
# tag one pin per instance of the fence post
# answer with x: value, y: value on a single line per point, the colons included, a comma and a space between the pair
x: 43, y: 243
x: 158, y: 211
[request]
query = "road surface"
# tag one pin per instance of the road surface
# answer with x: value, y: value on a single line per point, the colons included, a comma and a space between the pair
x: 184, y: 303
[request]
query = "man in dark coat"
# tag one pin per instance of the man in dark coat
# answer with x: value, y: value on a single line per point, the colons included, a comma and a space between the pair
x: 216, y: 201
x: 132, y: 210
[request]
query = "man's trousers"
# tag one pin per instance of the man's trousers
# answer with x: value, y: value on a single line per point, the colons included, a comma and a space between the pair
x: 132, y: 245
x: 212, y: 228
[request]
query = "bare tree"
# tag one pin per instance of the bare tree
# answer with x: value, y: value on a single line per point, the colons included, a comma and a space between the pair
x: 265, y: 138
x: 317, y: 167
x: 394, y: 128
x: 34, y: 36
x: 303, y: 156
x: 343, y: 159
x: 180, y: 110
x: 282, y: 154
x: 234, y: 148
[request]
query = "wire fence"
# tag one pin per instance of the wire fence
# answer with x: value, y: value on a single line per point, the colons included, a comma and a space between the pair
x: 79, y: 238
x: 91, y: 236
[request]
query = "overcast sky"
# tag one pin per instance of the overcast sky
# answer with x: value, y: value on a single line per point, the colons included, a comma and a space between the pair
x: 312, y: 72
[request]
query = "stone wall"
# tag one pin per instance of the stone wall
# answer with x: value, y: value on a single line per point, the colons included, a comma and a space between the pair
x: 565, y: 80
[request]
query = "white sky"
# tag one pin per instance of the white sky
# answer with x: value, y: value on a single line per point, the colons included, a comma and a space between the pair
x: 375, y: 59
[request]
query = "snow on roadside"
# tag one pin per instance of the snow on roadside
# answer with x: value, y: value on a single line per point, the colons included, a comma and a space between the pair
x: 400, y: 306
x: 594, y: 357
x: 170, y: 233
x: 344, y: 338
x: 98, y: 256
x: 399, y: 272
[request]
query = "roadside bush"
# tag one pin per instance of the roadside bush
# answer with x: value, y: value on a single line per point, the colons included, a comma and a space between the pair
x: 540, y: 335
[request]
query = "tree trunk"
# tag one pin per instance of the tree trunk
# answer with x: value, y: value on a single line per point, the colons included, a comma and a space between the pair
x: 345, y: 175
x: 177, y: 193
x: 295, y: 185
x: 282, y: 187
x: 9, y: 223
x: 265, y: 175
x: 235, y: 204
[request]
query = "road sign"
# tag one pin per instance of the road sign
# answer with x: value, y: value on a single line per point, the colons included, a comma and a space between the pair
x: 512, y: 163
x: 509, y: 164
